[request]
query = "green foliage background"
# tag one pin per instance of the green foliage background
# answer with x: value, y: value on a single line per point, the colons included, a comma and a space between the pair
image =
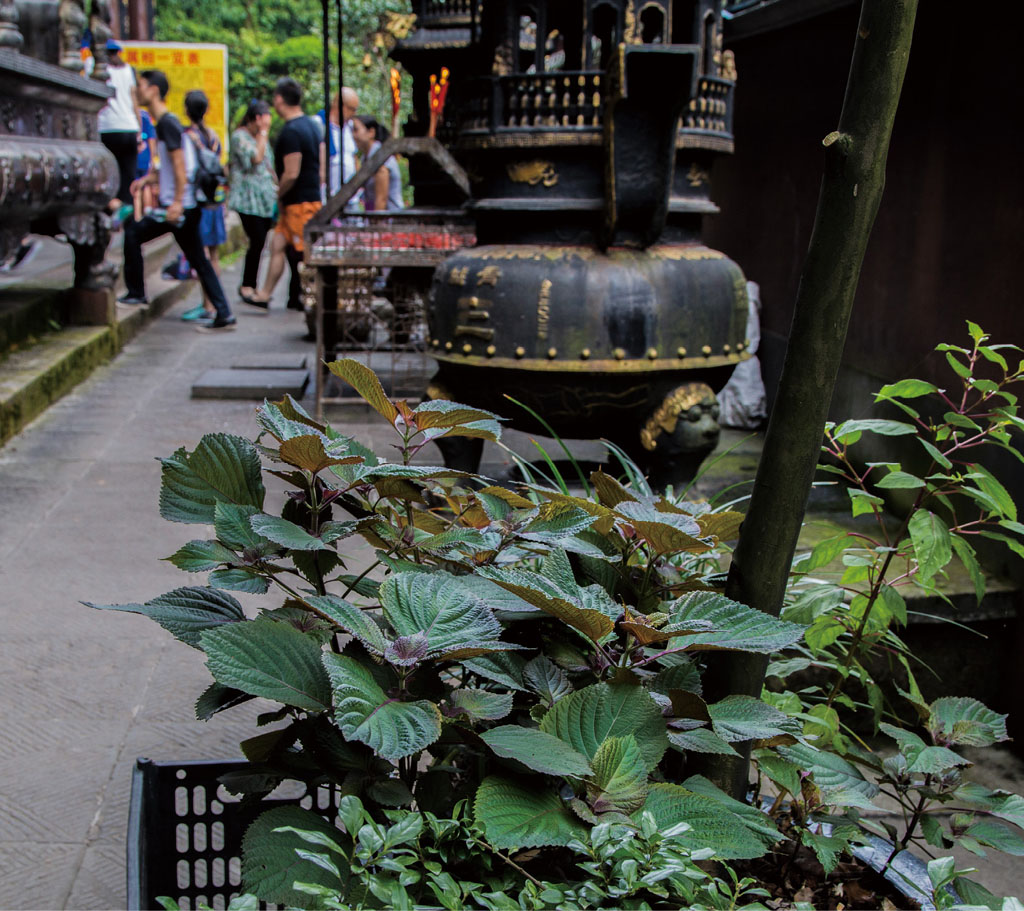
x: 267, y: 39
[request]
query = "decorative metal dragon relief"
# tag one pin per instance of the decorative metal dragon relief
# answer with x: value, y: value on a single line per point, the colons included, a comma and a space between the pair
x: 533, y: 173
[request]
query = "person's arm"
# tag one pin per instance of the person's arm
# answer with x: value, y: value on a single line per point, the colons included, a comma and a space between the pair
x: 292, y: 164
x: 380, y: 186
x: 177, y: 208
x: 261, y: 148
x: 135, y: 99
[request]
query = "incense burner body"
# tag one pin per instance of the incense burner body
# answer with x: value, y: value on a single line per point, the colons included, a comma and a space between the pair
x: 589, y: 139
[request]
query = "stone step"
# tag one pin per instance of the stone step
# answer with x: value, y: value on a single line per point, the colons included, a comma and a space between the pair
x: 249, y: 383
x: 33, y: 376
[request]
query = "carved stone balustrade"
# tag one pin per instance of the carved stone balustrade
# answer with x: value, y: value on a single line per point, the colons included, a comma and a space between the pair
x: 56, y: 177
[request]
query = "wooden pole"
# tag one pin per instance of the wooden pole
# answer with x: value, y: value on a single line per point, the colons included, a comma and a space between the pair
x: 851, y: 191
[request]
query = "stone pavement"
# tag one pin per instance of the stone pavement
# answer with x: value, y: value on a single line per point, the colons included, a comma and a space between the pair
x: 86, y: 692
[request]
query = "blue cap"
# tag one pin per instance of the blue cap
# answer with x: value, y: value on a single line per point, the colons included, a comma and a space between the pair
x: 112, y: 45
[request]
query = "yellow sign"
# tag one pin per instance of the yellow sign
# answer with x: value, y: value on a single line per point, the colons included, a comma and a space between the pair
x: 188, y: 67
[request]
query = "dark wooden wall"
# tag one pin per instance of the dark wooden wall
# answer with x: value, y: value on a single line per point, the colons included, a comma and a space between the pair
x: 948, y: 243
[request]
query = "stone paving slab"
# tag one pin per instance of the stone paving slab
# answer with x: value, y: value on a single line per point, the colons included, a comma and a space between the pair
x: 249, y: 383
x: 270, y: 361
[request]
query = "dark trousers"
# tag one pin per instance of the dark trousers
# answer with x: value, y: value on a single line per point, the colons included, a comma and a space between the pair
x: 294, y: 257
x: 125, y: 149
x: 256, y: 229
x: 136, y: 233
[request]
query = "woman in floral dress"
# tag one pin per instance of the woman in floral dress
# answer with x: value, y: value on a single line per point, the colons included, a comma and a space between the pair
x: 253, y: 188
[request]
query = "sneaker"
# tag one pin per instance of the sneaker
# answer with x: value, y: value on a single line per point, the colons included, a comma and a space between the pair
x: 218, y: 325
x: 196, y: 312
x: 132, y: 301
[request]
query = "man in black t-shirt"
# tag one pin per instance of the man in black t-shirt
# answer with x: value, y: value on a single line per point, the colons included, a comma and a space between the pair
x: 178, y: 213
x: 300, y: 162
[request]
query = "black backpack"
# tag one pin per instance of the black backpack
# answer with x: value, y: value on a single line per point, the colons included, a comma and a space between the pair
x: 209, y: 175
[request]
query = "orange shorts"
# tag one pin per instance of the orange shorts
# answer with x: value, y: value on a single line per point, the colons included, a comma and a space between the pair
x: 292, y: 221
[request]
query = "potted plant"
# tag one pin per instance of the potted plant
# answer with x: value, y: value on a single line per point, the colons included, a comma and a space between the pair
x: 505, y: 705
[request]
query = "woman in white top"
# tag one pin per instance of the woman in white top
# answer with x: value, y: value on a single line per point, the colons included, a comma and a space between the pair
x: 119, y: 124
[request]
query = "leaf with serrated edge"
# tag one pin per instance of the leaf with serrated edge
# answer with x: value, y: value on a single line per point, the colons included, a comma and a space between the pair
x: 752, y: 817
x: 440, y: 413
x: 479, y: 705
x: 932, y: 546
x: 619, y: 783
x: 365, y: 382
x: 285, y: 533
x: 515, y: 815
x: 536, y: 590
x: 268, y: 659
x: 736, y: 626
x: 832, y: 774
x: 546, y: 679
x: 270, y: 864
x: 308, y: 453
x: 537, y: 750
x: 216, y: 698
x: 965, y: 721
x: 239, y: 579
x: 584, y: 720
x: 439, y: 606
x: 500, y: 667
x: 711, y: 824
x: 738, y: 718
x: 185, y: 612
x: 350, y: 618
x: 201, y: 556
x: 233, y: 526
x: 723, y: 525
x: 700, y: 740
x: 609, y: 491
x: 364, y: 712
x: 222, y: 469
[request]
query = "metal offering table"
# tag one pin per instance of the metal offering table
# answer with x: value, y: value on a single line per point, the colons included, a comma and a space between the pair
x: 367, y: 275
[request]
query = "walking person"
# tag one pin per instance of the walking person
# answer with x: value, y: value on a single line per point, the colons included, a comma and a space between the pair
x: 119, y: 125
x: 253, y: 193
x: 178, y: 212
x: 300, y: 164
x: 212, y: 231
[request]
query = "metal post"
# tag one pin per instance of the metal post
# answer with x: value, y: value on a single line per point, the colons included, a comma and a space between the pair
x: 326, y: 7
x: 341, y: 62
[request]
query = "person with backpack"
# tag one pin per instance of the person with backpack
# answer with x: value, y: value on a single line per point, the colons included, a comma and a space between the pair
x: 212, y: 231
x: 178, y: 213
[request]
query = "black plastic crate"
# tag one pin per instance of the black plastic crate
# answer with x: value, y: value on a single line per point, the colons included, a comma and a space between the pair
x: 185, y: 831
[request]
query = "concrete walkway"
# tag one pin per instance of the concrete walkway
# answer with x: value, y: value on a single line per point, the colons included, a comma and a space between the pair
x: 86, y: 692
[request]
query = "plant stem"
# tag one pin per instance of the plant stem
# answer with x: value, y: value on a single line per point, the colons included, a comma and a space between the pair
x: 508, y: 860
x: 911, y: 828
